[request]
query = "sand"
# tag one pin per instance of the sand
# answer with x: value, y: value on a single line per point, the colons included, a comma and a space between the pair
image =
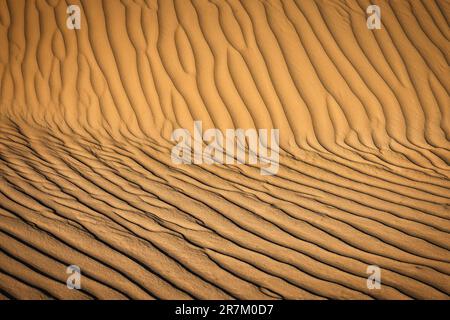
x: 86, y: 176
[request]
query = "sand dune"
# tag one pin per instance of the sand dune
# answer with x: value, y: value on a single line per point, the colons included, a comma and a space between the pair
x: 86, y: 176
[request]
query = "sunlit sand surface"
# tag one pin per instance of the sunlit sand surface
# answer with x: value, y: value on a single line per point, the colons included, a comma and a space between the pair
x: 86, y: 176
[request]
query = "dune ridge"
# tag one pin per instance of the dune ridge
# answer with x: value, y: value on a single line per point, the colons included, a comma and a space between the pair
x: 86, y: 176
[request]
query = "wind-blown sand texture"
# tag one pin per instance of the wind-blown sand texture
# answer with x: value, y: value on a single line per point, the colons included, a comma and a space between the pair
x: 86, y: 176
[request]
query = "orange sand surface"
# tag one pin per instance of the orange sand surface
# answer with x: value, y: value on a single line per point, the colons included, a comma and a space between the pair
x: 86, y: 176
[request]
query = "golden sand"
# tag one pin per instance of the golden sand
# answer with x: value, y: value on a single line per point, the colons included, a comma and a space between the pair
x: 86, y: 177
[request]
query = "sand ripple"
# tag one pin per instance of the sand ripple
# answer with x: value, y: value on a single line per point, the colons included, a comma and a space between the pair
x: 86, y: 176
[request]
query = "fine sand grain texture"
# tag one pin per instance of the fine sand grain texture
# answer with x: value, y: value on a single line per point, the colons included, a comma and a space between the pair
x: 87, y: 179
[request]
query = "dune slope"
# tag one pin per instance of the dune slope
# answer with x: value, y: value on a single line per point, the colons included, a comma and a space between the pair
x: 86, y: 176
